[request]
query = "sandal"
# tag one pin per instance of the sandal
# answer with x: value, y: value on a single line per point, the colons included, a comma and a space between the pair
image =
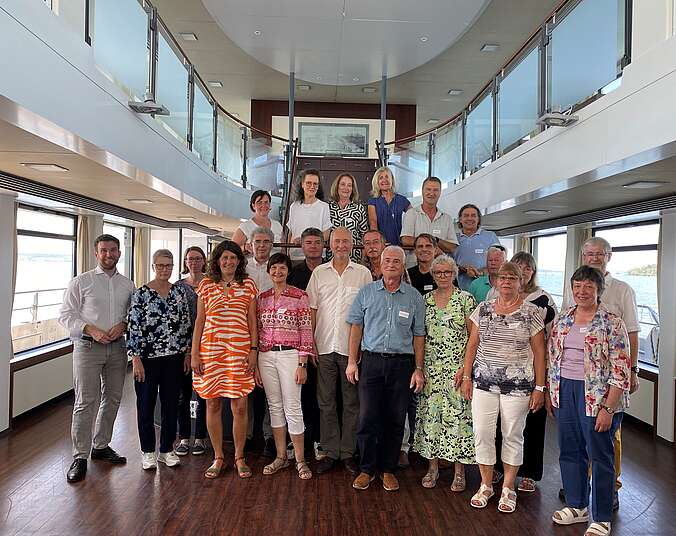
x: 430, y: 480
x: 459, y: 483
x: 527, y: 485
x: 507, y: 502
x: 570, y: 516
x: 277, y: 465
x: 215, y: 468
x: 303, y: 470
x: 598, y: 529
x: 480, y: 498
x: 243, y: 470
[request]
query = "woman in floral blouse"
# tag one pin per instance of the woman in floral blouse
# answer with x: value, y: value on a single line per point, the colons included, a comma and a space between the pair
x: 589, y: 380
x: 158, y: 341
x: 286, y: 343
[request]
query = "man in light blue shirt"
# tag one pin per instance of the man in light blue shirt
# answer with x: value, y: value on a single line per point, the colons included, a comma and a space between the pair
x: 387, y: 321
x: 473, y: 243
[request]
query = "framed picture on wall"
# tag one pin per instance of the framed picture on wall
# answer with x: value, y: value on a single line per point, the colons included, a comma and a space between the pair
x: 335, y: 139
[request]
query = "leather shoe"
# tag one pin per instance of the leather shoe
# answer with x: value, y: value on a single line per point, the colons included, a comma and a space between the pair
x: 390, y: 482
x: 363, y: 481
x: 108, y: 455
x: 325, y: 465
x: 403, y: 462
x: 77, y: 471
x: 616, y: 501
x: 351, y: 466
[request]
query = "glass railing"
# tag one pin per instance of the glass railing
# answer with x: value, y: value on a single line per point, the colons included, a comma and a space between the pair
x: 134, y: 48
x: 576, y: 56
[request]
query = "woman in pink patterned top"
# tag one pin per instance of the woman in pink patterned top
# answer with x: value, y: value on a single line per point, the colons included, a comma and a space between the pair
x: 285, y: 342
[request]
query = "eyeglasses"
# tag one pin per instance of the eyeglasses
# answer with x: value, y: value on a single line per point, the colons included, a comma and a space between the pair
x: 443, y: 273
x: 194, y: 259
x: 163, y: 266
x: 261, y: 242
x: 508, y: 278
x: 597, y: 255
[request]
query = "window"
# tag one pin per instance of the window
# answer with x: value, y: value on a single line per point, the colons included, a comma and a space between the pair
x: 125, y: 235
x: 166, y: 239
x: 45, y: 266
x: 634, y: 261
x: 550, y: 256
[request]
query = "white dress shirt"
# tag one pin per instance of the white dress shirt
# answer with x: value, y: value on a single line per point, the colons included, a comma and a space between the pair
x: 95, y: 298
x: 259, y: 273
x: 331, y: 295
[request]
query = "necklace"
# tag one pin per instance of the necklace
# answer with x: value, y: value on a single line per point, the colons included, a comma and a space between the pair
x: 508, y: 304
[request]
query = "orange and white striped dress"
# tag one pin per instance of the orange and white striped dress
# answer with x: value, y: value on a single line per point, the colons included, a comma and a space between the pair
x: 226, y: 340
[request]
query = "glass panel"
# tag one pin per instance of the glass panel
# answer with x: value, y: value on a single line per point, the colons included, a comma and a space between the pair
x: 479, y: 134
x: 172, y: 90
x: 203, y: 127
x: 33, y: 220
x: 409, y: 165
x: 630, y: 236
x: 265, y: 164
x: 165, y: 239
x: 585, y: 50
x: 124, y: 235
x: 518, y: 102
x: 193, y: 238
x: 44, y: 269
x: 447, y: 157
x: 550, y: 255
x: 508, y: 243
x: 229, y: 149
x: 120, y: 43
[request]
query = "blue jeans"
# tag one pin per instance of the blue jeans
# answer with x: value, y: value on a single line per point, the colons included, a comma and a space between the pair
x: 384, y: 396
x: 579, y: 444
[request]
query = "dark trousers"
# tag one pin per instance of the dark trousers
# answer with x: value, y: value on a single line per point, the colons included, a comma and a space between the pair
x: 184, y: 421
x: 310, y: 408
x: 162, y: 374
x: 579, y: 444
x: 337, y: 443
x: 384, y: 396
x: 533, y: 445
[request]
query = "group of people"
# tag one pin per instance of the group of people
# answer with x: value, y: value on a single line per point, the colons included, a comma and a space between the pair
x: 450, y: 350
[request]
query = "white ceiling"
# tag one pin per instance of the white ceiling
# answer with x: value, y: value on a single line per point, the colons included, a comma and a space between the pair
x: 344, y: 42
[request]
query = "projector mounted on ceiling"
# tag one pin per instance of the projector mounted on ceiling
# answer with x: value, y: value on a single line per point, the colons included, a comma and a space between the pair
x: 557, y: 119
x: 148, y: 106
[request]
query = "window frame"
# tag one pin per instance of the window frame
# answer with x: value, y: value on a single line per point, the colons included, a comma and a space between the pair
x: 533, y: 251
x: 131, y: 230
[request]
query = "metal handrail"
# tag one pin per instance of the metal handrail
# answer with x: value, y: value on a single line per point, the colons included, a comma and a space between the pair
x: 40, y: 290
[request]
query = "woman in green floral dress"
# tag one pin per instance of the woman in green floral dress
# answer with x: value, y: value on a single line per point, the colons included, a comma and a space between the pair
x: 443, y: 427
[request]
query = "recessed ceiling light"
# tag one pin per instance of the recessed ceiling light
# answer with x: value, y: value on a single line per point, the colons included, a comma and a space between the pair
x: 644, y: 184
x: 490, y: 47
x: 424, y: 39
x: 215, y: 83
x: 45, y: 167
x: 318, y: 77
x: 303, y: 87
x: 536, y: 212
x: 243, y: 220
x: 432, y: 121
x: 355, y: 79
x: 140, y: 201
x: 258, y: 33
x: 369, y: 89
x: 454, y: 92
x: 185, y: 218
x: 187, y: 36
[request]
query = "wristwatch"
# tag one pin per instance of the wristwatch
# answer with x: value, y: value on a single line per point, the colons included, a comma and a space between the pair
x: 635, y: 369
x: 302, y: 365
x: 607, y: 408
x: 541, y: 388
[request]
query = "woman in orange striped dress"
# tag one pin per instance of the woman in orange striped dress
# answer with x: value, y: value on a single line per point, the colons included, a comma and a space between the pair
x: 224, y: 360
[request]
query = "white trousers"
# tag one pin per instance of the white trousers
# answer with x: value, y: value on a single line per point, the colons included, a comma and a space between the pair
x: 278, y: 372
x: 486, y: 407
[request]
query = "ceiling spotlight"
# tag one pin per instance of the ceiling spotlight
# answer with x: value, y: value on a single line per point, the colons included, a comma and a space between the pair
x: 355, y: 79
x: 140, y: 201
x: 644, y: 184
x: 187, y: 36
x: 185, y: 218
x: 557, y: 119
x: 45, y: 167
x: 215, y: 83
x: 432, y: 121
x: 424, y: 39
x: 258, y: 33
x: 536, y: 212
x: 369, y: 89
x: 454, y: 92
x: 490, y: 47
x: 243, y: 220
x: 303, y: 87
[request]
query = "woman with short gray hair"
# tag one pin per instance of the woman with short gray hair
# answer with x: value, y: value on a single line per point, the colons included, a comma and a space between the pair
x: 158, y: 341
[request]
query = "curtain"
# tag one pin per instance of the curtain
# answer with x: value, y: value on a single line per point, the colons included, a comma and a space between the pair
x: 659, y: 263
x: 85, y: 254
x: 15, y: 256
x: 522, y: 243
x: 141, y: 255
x: 577, y: 235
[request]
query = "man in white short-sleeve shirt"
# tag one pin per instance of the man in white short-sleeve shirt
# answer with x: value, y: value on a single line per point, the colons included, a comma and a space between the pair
x: 427, y: 218
x: 331, y: 290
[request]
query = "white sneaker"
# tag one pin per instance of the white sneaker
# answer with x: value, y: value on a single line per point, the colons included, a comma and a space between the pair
x: 149, y: 460
x: 169, y: 459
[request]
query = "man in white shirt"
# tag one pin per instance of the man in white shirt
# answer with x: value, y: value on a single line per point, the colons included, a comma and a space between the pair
x: 331, y: 291
x: 620, y: 299
x: 427, y: 218
x: 262, y: 239
x: 94, y: 312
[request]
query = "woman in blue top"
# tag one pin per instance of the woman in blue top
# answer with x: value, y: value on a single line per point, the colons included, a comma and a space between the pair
x: 386, y: 208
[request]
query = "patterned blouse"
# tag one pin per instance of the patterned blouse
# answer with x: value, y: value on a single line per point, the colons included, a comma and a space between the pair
x: 285, y: 321
x: 156, y: 326
x: 606, y: 358
x: 352, y: 217
x: 504, y: 360
x: 191, y: 294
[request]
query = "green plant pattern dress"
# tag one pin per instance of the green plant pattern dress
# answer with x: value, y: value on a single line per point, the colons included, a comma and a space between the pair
x: 443, y: 427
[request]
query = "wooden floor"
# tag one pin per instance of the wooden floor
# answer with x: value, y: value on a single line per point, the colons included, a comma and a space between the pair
x: 36, y: 499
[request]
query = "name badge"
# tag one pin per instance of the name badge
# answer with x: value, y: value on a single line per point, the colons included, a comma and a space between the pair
x: 281, y: 310
x: 445, y: 318
x: 583, y: 330
x: 436, y: 231
x: 428, y: 287
x: 403, y: 314
x: 479, y: 251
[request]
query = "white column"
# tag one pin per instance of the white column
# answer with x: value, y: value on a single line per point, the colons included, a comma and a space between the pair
x: 652, y: 23
x: 667, y: 348
x: 7, y: 246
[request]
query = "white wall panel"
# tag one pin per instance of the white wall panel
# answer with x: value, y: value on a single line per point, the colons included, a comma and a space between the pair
x: 40, y: 383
